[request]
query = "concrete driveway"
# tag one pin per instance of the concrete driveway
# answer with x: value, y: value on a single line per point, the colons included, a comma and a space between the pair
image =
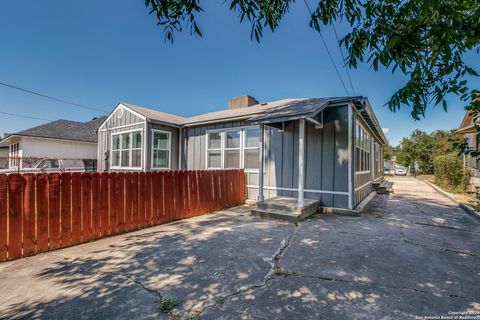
x: 412, y: 254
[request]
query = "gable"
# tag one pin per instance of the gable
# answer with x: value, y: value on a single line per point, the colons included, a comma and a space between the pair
x: 122, y: 116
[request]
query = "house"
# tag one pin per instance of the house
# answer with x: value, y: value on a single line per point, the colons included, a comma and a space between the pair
x: 327, y: 149
x: 470, y: 135
x: 60, y: 139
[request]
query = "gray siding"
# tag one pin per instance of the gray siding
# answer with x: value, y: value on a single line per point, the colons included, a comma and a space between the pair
x: 128, y: 122
x: 363, y: 181
x: 326, y: 157
x: 174, y: 150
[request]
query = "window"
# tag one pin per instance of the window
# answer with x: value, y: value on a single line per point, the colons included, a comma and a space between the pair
x: 214, y: 150
x: 362, y: 149
x: 14, y: 154
x: 251, y: 148
x: 231, y: 150
x: 127, y: 150
x: 237, y: 148
x: 161, y: 145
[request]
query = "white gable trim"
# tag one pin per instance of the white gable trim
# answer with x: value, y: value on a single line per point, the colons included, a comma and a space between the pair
x: 122, y: 107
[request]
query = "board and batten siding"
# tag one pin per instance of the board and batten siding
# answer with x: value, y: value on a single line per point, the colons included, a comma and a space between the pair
x: 363, y: 180
x: 326, y: 158
x: 174, y: 136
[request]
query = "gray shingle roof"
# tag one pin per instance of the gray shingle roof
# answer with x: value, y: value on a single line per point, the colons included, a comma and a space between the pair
x: 65, y: 130
x: 156, y: 115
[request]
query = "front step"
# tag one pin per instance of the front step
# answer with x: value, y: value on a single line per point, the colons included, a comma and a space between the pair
x: 285, y: 208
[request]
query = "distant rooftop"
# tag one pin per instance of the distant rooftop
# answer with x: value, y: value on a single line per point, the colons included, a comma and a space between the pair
x: 64, y: 130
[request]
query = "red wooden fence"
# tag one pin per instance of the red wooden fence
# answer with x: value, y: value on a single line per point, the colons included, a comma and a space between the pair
x: 42, y: 212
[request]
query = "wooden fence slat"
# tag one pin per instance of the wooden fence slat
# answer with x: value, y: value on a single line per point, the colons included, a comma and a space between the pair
x: 29, y: 237
x: 87, y: 227
x: 141, y: 200
x: 66, y: 212
x: 42, y: 213
x: 3, y: 216
x: 76, y: 208
x: 96, y: 221
x: 15, y: 216
x: 164, y: 217
x: 120, y: 202
x: 113, y: 201
x: 155, y: 196
x: 148, y: 199
x: 128, y: 201
x: 134, y: 192
x: 168, y: 196
x: 104, y: 206
x: 54, y: 210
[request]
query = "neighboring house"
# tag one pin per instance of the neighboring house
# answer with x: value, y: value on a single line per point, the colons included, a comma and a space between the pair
x: 471, y: 137
x: 341, y: 139
x: 61, y: 139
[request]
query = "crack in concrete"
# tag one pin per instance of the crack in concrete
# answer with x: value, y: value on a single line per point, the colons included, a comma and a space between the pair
x: 75, y: 262
x: 274, y: 271
x: 434, y: 248
x: 287, y: 273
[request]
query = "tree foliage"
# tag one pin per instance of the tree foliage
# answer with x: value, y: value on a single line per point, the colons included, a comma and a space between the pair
x: 421, y: 148
x: 425, y: 40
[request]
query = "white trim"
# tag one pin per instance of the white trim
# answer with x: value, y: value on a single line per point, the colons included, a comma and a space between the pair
x: 350, y: 156
x: 130, y: 151
x: 145, y: 146
x: 169, y: 150
x: 361, y: 187
x: 362, y: 172
x: 231, y: 128
x: 124, y: 126
x: 301, y: 162
x: 122, y: 106
x: 296, y: 190
x: 378, y: 178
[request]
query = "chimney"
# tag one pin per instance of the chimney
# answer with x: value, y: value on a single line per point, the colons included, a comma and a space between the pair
x: 241, y: 102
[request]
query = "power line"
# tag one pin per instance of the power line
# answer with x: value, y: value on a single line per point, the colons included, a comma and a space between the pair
x: 343, y: 58
x: 51, y: 98
x: 328, y: 51
x: 23, y: 116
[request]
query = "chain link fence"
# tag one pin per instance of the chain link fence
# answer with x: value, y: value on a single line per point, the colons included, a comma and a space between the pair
x: 43, y: 165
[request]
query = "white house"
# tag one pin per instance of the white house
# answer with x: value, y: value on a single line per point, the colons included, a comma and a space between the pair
x: 60, y: 139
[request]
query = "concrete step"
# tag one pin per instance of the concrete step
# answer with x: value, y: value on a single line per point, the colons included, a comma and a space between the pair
x: 288, y: 205
x: 280, y: 215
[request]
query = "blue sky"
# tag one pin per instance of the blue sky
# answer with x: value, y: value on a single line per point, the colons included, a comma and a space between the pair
x: 99, y: 53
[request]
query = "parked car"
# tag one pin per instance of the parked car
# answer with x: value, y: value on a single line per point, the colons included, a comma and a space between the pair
x: 59, y: 165
x: 399, y: 171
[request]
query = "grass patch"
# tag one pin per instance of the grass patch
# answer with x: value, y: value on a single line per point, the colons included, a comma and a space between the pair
x: 220, y: 299
x: 167, y: 304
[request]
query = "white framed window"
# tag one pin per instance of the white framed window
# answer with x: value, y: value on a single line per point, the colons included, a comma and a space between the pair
x: 14, y: 154
x: 161, y: 149
x: 214, y: 150
x: 126, y: 150
x: 362, y: 150
x: 233, y: 148
x: 251, y: 148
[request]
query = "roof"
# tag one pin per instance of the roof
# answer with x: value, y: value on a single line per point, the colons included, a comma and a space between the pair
x: 467, y: 125
x: 296, y: 109
x: 156, y: 115
x: 269, y: 112
x: 64, y: 130
x: 239, y: 113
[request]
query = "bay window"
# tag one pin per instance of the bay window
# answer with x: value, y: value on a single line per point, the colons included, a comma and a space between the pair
x: 233, y: 148
x: 161, y: 149
x: 126, y: 150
